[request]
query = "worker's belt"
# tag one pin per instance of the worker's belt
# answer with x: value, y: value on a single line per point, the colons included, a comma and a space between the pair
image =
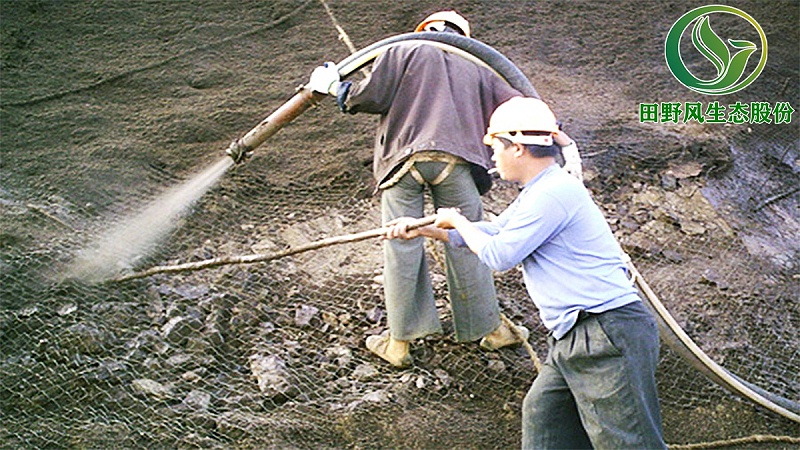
x: 428, y: 156
x: 583, y: 315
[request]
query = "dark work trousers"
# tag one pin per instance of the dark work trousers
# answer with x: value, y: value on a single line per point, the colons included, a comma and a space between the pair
x: 597, y: 387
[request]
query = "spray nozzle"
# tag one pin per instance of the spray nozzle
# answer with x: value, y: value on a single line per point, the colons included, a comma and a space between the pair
x: 238, y: 151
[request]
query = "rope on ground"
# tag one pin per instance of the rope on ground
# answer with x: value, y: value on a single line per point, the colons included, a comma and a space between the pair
x: 342, y: 34
x: 775, y: 198
x: 755, y: 439
x: 537, y: 363
x: 156, y: 64
x: 55, y: 219
x: 264, y: 257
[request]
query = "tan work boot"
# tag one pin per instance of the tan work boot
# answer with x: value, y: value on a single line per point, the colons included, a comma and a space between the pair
x: 503, y: 336
x: 391, y: 350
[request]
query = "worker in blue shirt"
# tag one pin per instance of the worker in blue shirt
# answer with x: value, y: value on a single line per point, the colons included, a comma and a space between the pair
x: 597, y: 386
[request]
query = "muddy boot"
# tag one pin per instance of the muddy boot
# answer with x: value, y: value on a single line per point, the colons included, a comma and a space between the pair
x: 391, y: 350
x: 503, y: 336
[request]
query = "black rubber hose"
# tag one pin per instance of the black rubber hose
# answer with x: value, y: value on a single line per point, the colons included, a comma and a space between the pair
x: 467, y: 47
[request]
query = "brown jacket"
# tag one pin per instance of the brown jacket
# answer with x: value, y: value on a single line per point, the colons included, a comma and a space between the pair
x: 428, y: 99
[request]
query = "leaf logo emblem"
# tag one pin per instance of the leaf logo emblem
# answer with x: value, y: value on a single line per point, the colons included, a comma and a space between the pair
x: 730, y: 63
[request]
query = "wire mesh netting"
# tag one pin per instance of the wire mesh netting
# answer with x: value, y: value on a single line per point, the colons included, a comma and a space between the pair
x: 271, y: 355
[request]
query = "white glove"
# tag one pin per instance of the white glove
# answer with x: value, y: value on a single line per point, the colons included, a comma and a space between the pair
x: 572, y: 160
x: 324, y: 79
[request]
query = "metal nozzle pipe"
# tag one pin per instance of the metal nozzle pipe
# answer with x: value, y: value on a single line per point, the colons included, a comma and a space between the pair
x: 243, y: 147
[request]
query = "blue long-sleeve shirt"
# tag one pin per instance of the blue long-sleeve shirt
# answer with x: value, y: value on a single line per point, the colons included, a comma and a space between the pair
x: 570, y: 259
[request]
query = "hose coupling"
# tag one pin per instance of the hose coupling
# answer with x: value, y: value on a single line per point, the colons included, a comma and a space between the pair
x: 238, y: 151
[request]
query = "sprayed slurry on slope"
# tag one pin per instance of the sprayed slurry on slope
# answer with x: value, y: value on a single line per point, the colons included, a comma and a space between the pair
x: 134, y: 237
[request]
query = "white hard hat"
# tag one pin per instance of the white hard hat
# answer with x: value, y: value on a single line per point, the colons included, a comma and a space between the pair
x: 523, y: 120
x: 446, y: 18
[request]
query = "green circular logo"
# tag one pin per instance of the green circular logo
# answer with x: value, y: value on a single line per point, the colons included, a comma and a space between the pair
x: 730, y: 63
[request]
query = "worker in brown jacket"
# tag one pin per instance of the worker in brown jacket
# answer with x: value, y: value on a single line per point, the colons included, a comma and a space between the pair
x: 434, y: 107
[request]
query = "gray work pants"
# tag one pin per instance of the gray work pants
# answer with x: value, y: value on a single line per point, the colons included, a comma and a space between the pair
x: 597, y: 387
x: 410, y: 304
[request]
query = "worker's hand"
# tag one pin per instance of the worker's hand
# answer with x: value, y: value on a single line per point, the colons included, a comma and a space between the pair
x: 572, y: 160
x: 398, y: 228
x: 447, y: 217
x: 324, y: 79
